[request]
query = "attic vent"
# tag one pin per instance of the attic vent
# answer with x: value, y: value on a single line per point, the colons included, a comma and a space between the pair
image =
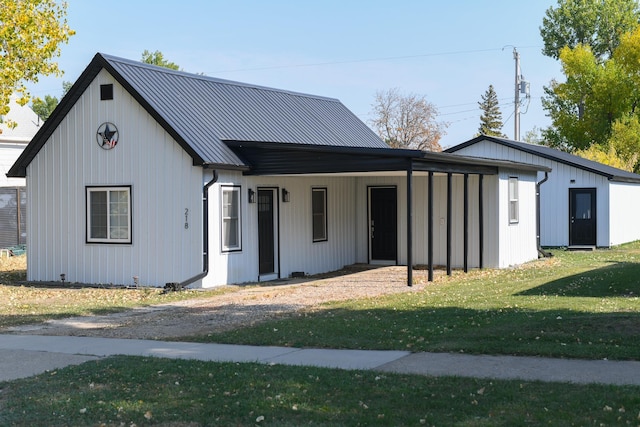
x: 106, y: 92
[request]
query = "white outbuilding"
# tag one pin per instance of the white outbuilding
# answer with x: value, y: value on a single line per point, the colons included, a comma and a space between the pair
x: 582, y: 204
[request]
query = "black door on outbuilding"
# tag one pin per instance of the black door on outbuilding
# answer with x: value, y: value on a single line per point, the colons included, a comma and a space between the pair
x: 582, y: 217
x: 383, y: 223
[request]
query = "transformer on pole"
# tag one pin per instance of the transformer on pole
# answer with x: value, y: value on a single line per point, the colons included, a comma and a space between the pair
x: 521, y: 87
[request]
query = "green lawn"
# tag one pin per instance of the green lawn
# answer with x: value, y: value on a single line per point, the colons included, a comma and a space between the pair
x: 127, y: 391
x: 576, y: 304
x: 20, y: 304
x: 573, y: 305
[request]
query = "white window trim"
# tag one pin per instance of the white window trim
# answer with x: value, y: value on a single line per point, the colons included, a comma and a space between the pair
x: 223, y: 190
x: 110, y: 240
x: 514, y: 200
x: 324, y: 214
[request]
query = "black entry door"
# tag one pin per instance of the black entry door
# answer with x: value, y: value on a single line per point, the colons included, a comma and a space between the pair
x: 582, y: 216
x: 383, y: 224
x: 266, y: 233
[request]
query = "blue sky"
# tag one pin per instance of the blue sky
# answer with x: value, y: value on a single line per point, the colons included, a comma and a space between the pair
x: 449, y: 51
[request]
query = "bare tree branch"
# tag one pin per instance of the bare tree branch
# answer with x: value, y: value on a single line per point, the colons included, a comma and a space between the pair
x: 407, y: 121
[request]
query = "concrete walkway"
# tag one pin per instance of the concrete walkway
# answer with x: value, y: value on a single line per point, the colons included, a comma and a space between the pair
x: 26, y: 355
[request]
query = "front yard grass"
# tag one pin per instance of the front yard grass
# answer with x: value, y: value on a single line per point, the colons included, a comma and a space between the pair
x: 574, y: 305
x: 20, y: 304
x: 128, y: 391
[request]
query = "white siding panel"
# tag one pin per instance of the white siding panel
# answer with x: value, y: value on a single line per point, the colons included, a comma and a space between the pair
x: 517, y: 240
x: 420, y: 219
x: 297, y: 251
x: 625, y: 205
x: 9, y: 153
x: 146, y: 158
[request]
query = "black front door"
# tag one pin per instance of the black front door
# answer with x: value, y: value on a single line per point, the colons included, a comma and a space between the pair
x: 383, y: 224
x: 582, y: 216
x: 266, y: 240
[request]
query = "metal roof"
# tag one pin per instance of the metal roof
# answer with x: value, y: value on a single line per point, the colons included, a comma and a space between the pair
x: 201, y: 112
x: 272, y: 158
x: 611, y: 173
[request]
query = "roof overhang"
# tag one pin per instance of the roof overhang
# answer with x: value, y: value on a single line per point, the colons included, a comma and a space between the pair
x: 299, y: 159
x: 615, y: 176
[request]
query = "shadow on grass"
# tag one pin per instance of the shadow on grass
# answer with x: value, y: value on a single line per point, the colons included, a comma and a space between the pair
x: 621, y: 279
x: 513, y: 331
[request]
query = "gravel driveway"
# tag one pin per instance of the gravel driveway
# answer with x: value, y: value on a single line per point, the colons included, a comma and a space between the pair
x: 241, y: 306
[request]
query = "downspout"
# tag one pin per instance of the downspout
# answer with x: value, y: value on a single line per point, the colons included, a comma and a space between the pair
x: 205, y: 237
x: 541, y: 252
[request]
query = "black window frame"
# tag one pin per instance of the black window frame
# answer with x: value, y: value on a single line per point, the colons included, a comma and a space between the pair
x: 314, y: 232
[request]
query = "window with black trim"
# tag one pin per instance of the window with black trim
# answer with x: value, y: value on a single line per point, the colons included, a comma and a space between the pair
x: 319, y: 214
x: 513, y: 201
x: 108, y: 214
x: 231, y: 232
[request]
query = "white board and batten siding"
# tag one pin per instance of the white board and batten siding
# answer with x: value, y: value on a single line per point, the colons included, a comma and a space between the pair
x: 297, y: 250
x: 164, y: 186
x: 501, y: 248
x: 517, y: 240
x: 624, y: 199
x: 554, y: 193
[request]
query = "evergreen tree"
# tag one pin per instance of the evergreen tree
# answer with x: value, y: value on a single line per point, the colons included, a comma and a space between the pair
x: 491, y: 118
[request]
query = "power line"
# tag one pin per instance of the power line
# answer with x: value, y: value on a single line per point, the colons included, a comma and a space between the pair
x: 355, y: 61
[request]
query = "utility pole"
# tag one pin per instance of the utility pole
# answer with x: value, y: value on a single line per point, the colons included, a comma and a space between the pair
x: 516, y: 113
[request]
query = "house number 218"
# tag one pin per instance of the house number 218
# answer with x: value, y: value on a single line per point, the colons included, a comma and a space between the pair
x: 186, y: 218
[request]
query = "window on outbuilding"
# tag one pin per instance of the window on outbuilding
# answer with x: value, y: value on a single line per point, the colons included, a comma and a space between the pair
x: 514, y: 217
x: 108, y: 214
x: 319, y: 214
x: 231, y: 233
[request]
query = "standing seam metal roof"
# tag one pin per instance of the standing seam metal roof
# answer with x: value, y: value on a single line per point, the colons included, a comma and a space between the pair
x: 202, y: 112
x: 205, y: 111
x: 611, y: 173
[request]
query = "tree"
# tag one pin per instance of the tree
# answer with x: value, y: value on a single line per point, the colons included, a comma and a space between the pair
x: 583, y: 108
x: 533, y: 136
x: 598, y: 24
x: 44, y: 107
x: 31, y: 32
x: 598, y: 104
x: 608, y: 156
x: 157, y: 58
x: 491, y: 118
x: 407, y: 121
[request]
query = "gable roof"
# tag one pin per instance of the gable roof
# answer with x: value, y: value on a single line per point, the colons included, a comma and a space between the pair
x: 611, y: 173
x: 27, y: 120
x: 202, y: 112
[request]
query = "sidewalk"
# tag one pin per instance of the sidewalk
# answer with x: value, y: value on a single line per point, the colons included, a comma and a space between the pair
x: 27, y: 355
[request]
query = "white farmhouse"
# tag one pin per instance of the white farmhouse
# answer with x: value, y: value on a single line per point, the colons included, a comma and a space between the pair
x: 168, y: 177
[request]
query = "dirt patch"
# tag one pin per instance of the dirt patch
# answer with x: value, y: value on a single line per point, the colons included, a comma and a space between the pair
x: 243, y: 306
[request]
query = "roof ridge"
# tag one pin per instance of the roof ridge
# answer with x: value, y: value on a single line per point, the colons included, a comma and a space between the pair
x: 186, y: 74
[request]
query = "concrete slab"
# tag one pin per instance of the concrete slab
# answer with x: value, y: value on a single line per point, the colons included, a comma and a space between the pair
x: 522, y: 368
x: 103, y: 347
x: 26, y: 355
x: 16, y: 364
x: 342, y: 359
